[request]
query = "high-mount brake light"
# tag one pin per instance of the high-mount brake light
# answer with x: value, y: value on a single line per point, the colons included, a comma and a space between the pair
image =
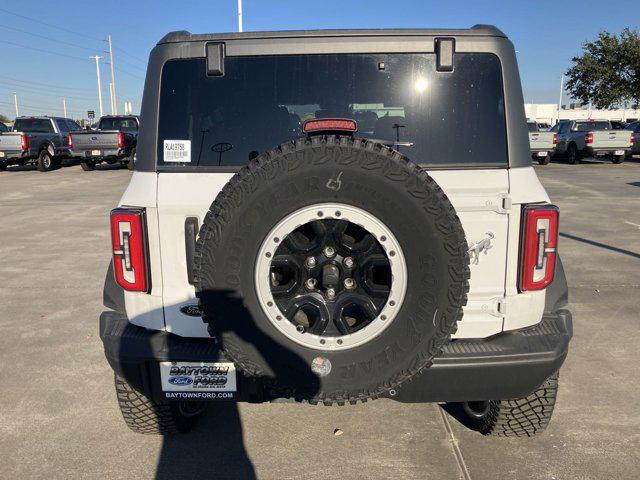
x: 555, y: 138
x: 589, y: 138
x: 330, y: 125
x: 538, y: 251
x: 130, y: 256
x: 25, y: 141
x: 120, y: 139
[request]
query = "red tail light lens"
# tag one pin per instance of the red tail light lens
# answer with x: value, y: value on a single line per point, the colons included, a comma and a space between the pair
x: 69, y: 141
x: 25, y: 141
x: 330, y: 124
x: 129, y: 240
x: 589, y: 138
x: 539, y: 246
x: 120, y: 139
x: 633, y: 138
x: 555, y: 138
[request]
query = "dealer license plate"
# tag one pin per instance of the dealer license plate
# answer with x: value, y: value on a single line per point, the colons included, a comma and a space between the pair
x: 619, y: 152
x: 198, y: 380
x: 96, y: 153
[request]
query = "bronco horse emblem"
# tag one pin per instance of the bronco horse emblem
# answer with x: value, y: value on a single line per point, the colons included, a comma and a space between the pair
x: 475, y: 249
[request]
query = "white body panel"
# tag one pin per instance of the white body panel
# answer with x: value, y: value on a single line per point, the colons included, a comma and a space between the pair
x: 487, y: 201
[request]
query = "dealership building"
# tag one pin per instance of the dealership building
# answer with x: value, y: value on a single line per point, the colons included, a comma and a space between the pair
x: 548, y: 113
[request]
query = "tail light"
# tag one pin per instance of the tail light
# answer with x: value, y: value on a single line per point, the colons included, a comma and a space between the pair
x: 69, y: 141
x: 589, y: 138
x: 330, y: 124
x: 555, y: 138
x: 120, y: 139
x: 129, y: 240
x: 25, y: 141
x: 633, y: 138
x: 539, y: 246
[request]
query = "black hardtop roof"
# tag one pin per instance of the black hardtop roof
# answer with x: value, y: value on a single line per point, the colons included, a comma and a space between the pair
x: 475, y: 31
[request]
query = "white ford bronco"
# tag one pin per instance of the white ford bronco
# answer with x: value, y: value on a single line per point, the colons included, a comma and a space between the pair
x: 332, y: 217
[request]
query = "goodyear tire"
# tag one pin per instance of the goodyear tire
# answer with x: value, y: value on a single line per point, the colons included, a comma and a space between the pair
x: 143, y: 415
x: 393, y: 208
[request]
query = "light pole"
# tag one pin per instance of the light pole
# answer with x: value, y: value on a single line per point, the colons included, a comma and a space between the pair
x: 15, y: 101
x: 560, y: 99
x: 64, y: 107
x: 114, y: 99
x: 239, y: 15
x: 97, y: 58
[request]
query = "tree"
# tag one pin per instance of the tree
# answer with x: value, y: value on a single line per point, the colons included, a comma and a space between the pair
x: 4, y: 118
x: 608, y: 72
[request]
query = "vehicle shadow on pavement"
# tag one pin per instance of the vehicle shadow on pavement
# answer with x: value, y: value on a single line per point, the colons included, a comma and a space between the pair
x: 601, y: 245
x: 215, y: 447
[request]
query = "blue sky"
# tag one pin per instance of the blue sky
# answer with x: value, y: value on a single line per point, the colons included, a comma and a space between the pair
x: 43, y: 69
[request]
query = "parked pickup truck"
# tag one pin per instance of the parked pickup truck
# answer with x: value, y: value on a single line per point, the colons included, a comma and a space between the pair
x: 114, y: 141
x: 542, y: 143
x: 40, y: 140
x: 635, y: 128
x: 592, y: 138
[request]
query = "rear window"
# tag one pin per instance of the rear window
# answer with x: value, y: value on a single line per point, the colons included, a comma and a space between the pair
x: 125, y: 123
x: 435, y: 118
x: 35, y: 125
x: 532, y: 126
x: 591, y: 126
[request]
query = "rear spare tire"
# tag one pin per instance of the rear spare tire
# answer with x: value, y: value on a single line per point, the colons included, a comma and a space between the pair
x: 333, y: 268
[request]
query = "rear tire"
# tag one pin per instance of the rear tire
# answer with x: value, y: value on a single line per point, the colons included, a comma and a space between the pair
x: 545, y: 160
x: 143, y: 415
x: 45, y: 161
x: 618, y: 158
x: 521, y: 417
x: 88, y: 166
x: 3, y: 167
x: 132, y: 160
x: 573, y: 156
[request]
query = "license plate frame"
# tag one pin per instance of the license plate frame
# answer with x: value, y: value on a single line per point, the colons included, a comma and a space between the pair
x: 199, y: 381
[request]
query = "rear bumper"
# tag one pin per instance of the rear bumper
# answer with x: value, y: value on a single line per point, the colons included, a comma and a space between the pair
x: 13, y: 156
x: 83, y: 153
x: 595, y: 151
x: 508, y: 365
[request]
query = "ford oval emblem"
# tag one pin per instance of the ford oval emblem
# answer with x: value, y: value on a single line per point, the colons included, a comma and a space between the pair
x: 191, y: 310
x: 180, y: 380
x: 94, y: 138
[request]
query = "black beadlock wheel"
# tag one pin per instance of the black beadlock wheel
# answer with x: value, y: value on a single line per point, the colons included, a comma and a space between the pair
x: 333, y: 268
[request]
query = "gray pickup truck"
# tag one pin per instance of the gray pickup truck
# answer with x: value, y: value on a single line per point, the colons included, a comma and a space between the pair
x: 113, y: 141
x: 40, y: 140
x: 542, y: 143
x: 635, y: 128
x: 592, y: 138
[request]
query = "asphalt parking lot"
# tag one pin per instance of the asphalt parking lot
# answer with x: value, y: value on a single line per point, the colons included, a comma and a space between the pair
x: 59, y: 418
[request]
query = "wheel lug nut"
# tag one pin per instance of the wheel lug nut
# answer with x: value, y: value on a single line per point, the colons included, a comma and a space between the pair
x: 349, y: 283
x: 329, y: 252
x: 310, y: 284
x: 310, y: 262
x: 300, y: 328
x: 331, y: 293
x: 348, y: 262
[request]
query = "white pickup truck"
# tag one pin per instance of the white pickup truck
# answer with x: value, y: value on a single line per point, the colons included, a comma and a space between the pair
x: 268, y: 248
x: 543, y: 143
x: 592, y: 138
